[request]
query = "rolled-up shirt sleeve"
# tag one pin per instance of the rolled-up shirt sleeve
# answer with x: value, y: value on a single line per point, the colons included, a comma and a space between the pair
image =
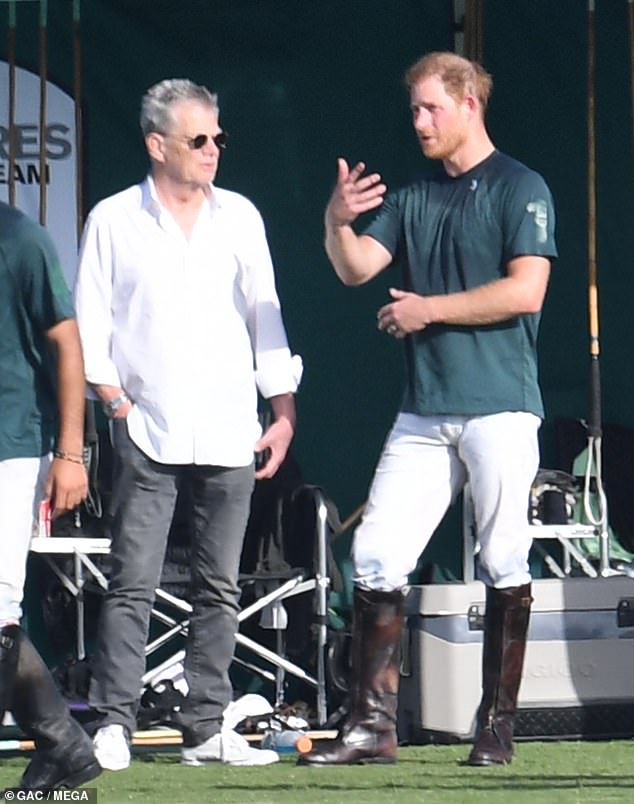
x: 277, y: 371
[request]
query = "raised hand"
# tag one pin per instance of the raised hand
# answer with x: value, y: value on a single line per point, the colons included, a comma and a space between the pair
x: 354, y: 194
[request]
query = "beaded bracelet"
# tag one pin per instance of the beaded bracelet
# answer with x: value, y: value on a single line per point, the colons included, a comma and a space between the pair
x: 68, y: 456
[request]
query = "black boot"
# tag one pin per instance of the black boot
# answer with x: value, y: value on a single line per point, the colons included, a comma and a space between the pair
x: 368, y: 734
x: 64, y: 754
x: 8, y: 664
x: 505, y: 628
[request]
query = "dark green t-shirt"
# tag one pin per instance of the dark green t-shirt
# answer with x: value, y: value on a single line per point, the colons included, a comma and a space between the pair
x: 33, y: 298
x: 449, y: 235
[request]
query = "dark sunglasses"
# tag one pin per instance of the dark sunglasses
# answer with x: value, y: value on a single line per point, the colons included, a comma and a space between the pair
x: 200, y: 140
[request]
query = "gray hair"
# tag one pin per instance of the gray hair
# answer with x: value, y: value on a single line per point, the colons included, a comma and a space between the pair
x: 158, y: 101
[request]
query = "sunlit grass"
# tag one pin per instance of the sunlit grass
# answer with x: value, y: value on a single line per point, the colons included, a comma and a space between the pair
x: 541, y: 773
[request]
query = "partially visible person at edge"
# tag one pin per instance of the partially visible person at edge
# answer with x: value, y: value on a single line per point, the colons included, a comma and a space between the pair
x: 41, y: 442
x: 474, y: 244
x: 181, y: 326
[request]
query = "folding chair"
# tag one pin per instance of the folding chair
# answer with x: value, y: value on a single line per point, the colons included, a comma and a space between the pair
x: 271, y: 591
x: 272, y: 587
x: 561, y: 531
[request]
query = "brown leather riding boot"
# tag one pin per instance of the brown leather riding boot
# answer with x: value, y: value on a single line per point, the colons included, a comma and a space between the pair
x: 368, y: 734
x: 505, y: 628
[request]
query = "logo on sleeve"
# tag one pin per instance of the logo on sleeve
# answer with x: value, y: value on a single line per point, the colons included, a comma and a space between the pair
x: 539, y: 210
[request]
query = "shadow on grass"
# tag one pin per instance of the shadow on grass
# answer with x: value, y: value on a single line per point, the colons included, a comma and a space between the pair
x: 433, y: 774
x: 540, y: 774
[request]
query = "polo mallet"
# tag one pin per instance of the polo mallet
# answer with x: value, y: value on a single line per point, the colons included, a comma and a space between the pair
x: 596, y: 513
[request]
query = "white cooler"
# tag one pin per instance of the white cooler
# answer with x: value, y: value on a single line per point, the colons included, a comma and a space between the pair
x: 578, y: 678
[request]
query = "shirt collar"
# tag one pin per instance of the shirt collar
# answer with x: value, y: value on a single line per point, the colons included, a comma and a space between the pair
x: 150, y: 199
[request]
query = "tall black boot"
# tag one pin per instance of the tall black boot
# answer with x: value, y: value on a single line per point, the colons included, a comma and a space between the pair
x: 64, y: 754
x: 368, y: 734
x: 8, y: 664
x: 505, y: 628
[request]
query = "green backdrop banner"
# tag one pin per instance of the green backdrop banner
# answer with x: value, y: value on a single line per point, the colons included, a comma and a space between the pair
x: 302, y: 83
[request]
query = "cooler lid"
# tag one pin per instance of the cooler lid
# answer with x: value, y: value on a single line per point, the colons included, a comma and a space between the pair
x: 549, y: 594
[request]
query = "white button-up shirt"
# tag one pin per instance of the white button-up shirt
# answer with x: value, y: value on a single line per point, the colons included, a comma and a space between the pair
x: 189, y: 328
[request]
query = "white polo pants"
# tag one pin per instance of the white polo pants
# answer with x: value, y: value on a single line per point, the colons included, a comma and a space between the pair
x: 21, y: 490
x: 425, y: 463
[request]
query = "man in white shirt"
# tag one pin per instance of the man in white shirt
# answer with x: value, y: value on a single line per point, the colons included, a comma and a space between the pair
x: 181, y: 327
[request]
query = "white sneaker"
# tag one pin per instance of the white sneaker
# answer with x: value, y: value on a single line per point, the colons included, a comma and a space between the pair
x: 229, y: 747
x: 111, y: 748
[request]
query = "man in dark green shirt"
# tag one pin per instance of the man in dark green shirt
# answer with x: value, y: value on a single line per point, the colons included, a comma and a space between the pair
x: 41, y: 442
x: 474, y: 243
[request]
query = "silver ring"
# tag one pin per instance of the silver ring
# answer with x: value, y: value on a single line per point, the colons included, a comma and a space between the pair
x: 392, y: 329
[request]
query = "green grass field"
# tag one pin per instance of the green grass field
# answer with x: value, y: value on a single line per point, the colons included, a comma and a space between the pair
x: 541, y: 773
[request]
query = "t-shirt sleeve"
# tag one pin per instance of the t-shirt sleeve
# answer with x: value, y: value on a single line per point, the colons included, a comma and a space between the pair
x: 46, y: 293
x: 529, y: 219
x: 385, y: 228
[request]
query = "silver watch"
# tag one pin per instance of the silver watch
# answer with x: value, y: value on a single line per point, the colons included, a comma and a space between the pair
x: 111, y: 406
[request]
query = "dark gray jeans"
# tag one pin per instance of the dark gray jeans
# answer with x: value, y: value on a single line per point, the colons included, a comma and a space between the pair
x: 144, y: 497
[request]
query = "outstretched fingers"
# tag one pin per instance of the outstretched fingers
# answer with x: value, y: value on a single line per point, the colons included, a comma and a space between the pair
x: 355, y: 192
